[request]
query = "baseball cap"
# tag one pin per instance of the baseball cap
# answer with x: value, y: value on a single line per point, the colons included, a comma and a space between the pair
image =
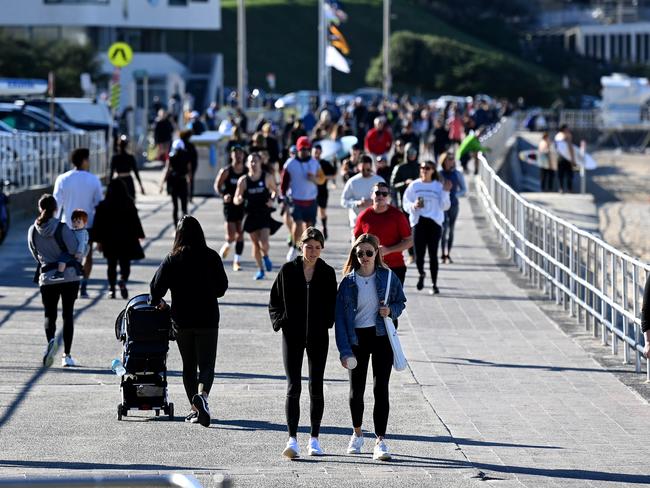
x: 236, y: 147
x: 303, y: 143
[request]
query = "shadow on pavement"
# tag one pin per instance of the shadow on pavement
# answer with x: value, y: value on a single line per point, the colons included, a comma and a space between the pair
x: 481, y: 362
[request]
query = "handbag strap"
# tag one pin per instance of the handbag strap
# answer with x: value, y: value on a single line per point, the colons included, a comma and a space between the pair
x: 390, y: 274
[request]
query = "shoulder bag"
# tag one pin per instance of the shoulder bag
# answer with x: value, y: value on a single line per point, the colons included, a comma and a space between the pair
x: 399, y: 360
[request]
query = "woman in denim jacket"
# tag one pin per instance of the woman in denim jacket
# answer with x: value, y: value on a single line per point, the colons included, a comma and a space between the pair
x: 361, y: 333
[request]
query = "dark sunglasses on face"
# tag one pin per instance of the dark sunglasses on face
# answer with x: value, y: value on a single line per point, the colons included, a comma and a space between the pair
x: 381, y: 193
x: 368, y: 253
x: 426, y: 168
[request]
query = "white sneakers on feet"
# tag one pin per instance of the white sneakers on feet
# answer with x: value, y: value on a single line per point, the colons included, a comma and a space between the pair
x: 355, y: 445
x: 291, y: 255
x: 68, y: 362
x: 313, y: 448
x: 292, y: 450
x: 381, y: 452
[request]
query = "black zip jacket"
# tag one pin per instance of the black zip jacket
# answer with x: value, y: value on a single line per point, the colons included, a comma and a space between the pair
x: 196, y: 279
x: 303, y: 313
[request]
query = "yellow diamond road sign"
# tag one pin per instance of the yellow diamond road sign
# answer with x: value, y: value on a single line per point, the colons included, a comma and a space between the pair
x: 120, y: 54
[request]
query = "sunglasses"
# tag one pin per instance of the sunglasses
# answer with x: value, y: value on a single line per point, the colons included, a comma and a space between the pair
x: 368, y: 253
x: 426, y: 168
x: 381, y: 193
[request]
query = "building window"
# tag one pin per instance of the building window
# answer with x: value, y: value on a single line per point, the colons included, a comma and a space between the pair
x: 178, y: 3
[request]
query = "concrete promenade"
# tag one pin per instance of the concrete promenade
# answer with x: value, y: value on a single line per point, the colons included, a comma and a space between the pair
x: 496, y: 392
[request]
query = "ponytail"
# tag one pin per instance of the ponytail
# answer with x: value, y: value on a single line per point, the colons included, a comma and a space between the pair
x: 47, y: 207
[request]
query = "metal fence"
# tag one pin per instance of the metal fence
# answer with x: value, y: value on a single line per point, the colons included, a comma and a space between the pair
x: 597, y: 284
x: 29, y: 160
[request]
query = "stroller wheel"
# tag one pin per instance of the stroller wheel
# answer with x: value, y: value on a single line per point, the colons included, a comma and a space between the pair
x: 119, y: 411
x: 170, y: 409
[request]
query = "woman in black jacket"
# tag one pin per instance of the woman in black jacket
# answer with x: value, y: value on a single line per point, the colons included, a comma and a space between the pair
x: 194, y: 273
x: 117, y: 231
x: 302, y: 305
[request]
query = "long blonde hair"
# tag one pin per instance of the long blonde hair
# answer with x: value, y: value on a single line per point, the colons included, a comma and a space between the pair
x: 352, y: 263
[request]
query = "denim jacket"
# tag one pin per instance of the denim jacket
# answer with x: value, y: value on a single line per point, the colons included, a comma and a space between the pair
x: 346, y: 308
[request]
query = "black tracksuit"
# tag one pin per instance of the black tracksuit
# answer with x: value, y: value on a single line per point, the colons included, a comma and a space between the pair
x: 196, y: 279
x: 305, y: 313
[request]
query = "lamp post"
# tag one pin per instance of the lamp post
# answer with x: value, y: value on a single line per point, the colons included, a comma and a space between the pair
x: 386, y: 50
x: 242, y: 73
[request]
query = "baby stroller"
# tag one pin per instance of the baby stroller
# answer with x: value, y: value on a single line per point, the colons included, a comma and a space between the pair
x: 145, y: 332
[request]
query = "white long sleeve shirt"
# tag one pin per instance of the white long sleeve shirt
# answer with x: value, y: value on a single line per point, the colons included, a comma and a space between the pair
x: 436, y: 201
x: 355, y: 189
x: 77, y: 189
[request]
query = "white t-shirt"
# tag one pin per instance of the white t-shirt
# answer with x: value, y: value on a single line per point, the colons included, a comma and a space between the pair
x: 77, y: 189
x: 357, y: 188
x: 436, y: 201
x: 367, y: 301
x: 300, y: 187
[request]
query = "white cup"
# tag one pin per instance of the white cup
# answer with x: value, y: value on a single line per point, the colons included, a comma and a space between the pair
x: 351, y: 362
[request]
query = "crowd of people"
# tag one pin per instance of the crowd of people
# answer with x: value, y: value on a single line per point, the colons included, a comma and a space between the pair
x: 401, y: 188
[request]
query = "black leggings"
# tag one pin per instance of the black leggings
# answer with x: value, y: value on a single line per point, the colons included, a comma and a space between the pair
x: 448, y: 228
x: 50, y: 295
x: 382, y: 364
x: 565, y: 174
x: 125, y: 270
x: 198, y: 348
x: 292, y: 355
x: 178, y: 191
x: 426, y: 236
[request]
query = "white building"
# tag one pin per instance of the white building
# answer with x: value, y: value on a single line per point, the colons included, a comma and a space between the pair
x: 170, y: 39
x: 626, y: 43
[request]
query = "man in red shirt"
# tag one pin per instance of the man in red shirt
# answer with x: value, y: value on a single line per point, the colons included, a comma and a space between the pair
x: 390, y: 226
x: 378, y: 140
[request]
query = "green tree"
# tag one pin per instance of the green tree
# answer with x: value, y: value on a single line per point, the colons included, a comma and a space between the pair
x: 35, y: 59
x: 441, y: 65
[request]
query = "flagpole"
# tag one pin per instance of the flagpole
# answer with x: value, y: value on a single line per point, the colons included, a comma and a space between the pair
x: 242, y: 75
x: 386, y: 50
x: 322, y: 43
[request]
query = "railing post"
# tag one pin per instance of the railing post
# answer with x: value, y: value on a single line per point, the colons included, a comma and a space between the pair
x: 614, y: 314
x: 635, y: 308
x: 603, y: 292
x: 626, y: 325
x: 571, y: 281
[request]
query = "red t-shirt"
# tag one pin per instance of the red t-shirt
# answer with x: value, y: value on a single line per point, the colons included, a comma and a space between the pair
x: 390, y: 227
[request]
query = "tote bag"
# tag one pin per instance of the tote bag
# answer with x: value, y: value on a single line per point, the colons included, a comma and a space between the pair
x: 399, y: 360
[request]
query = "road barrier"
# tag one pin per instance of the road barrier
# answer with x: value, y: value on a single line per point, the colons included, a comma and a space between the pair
x: 597, y: 284
x: 29, y: 160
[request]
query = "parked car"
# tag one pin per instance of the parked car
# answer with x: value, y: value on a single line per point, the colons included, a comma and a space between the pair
x: 32, y: 119
x: 83, y: 113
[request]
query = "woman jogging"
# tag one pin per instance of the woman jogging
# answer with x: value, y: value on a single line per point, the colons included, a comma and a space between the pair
x: 226, y: 186
x: 361, y: 335
x: 48, y: 238
x: 302, y: 302
x: 117, y: 231
x: 177, y: 175
x: 256, y: 192
x: 195, y: 276
x: 123, y: 164
x: 458, y: 189
x: 426, y: 200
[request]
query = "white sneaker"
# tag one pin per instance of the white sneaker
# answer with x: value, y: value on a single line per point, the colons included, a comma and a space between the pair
x: 292, y: 450
x: 355, y: 445
x: 313, y: 448
x: 291, y: 255
x: 224, y: 251
x: 381, y: 452
x: 68, y: 362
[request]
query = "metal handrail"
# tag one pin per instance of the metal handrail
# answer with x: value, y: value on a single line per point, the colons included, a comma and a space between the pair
x: 30, y: 160
x: 595, y: 282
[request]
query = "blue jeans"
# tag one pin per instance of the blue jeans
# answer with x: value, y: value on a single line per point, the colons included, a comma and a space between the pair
x: 448, y: 229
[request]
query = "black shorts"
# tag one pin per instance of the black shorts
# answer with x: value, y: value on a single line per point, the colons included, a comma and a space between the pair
x: 233, y: 213
x: 256, y: 221
x: 322, y: 197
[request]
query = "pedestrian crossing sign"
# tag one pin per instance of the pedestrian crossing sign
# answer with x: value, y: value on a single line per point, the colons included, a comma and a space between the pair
x: 120, y: 54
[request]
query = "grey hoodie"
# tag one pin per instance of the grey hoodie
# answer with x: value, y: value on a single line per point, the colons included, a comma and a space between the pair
x: 46, y: 250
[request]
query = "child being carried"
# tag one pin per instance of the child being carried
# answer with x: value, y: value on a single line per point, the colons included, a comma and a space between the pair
x: 79, y: 220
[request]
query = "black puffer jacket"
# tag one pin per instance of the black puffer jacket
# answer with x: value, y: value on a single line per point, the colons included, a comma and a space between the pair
x: 304, y: 314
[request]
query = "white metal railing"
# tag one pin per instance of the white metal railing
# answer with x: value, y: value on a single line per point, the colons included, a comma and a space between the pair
x: 29, y: 160
x: 596, y: 283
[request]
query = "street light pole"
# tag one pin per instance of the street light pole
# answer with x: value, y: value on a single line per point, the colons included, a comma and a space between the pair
x: 242, y: 73
x: 322, y: 46
x: 386, y: 50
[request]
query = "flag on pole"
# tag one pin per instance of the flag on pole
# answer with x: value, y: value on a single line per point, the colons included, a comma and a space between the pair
x: 336, y: 60
x: 337, y: 48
